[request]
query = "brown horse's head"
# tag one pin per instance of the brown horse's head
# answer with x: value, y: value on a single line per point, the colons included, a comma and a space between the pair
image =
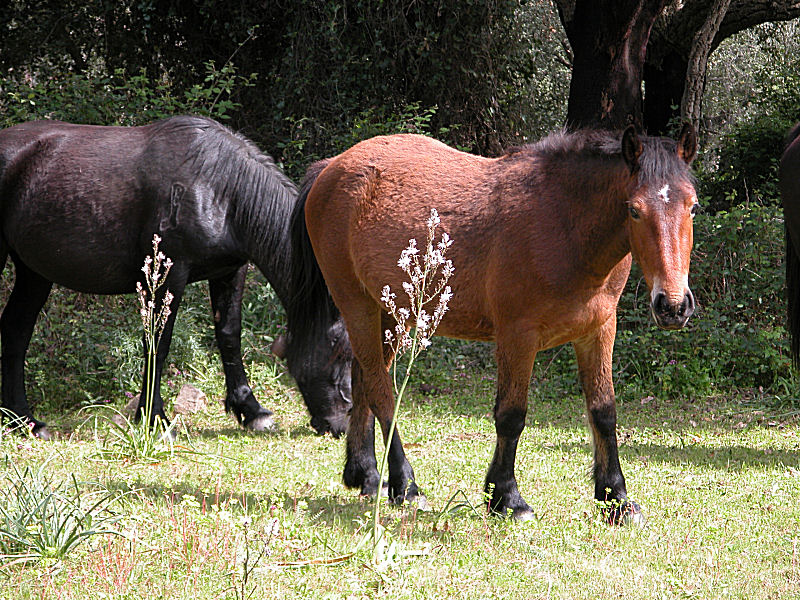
x: 660, y: 213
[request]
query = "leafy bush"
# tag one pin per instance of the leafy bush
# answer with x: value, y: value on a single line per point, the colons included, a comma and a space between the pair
x: 118, y: 99
x: 752, y: 99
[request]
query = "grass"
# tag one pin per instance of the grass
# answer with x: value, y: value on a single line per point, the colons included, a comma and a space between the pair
x: 719, y: 482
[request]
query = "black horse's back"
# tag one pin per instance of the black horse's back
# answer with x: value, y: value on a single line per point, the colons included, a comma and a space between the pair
x: 789, y: 178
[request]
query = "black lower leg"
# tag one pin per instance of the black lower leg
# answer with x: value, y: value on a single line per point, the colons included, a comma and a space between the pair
x: 501, y: 489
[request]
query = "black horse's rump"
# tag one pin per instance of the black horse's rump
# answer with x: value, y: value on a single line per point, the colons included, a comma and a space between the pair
x: 79, y: 206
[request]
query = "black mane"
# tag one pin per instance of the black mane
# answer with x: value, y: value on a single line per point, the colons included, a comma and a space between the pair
x: 261, y: 195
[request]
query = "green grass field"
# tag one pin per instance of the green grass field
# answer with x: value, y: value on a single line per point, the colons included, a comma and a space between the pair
x: 266, y: 516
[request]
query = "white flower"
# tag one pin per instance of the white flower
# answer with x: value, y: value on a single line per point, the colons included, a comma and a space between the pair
x: 434, y: 220
x: 424, y: 342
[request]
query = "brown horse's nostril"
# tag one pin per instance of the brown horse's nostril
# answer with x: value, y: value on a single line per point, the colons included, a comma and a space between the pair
x: 688, y: 305
x: 669, y: 315
x: 660, y: 303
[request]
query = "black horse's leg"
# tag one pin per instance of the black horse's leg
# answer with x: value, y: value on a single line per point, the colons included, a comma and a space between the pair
x: 29, y: 294
x: 226, y: 303
x: 514, y: 365
x: 154, y: 365
x: 594, y: 367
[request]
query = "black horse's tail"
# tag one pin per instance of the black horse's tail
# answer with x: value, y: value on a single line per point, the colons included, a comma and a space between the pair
x: 793, y: 296
x: 789, y: 195
x: 311, y: 311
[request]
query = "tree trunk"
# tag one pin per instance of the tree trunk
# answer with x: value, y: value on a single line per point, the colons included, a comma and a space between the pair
x: 667, y: 68
x: 609, y: 39
x: 698, y: 61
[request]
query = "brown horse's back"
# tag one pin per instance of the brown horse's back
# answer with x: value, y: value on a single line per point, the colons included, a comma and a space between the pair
x: 513, y: 245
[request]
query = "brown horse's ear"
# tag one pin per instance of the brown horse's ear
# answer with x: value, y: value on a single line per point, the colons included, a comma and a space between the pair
x: 631, y: 147
x: 279, y: 346
x: 687, y: 143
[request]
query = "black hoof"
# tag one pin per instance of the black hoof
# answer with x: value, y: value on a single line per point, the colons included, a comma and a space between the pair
x: 261, y: 422
x: 418, y: 501
x: 517, y: 513
x: 510, y: 504
x: 41, y: 431
x: 626, y: 513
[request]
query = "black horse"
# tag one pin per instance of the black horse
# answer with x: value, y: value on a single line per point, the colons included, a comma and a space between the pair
x: 789, y: 178
x: 79, y: 206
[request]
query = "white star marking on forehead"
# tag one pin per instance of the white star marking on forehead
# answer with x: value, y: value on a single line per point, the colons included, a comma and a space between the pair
x: 663, y: 193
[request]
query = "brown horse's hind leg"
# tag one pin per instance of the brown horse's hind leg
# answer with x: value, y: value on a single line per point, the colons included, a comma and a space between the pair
x: 594, y: 366
x: 513, y: 373
x: 372, y: 394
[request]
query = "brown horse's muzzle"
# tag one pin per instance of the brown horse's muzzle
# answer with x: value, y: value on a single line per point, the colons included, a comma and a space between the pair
x: 672, y: 315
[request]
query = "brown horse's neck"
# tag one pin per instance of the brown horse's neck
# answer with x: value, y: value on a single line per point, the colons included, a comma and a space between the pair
x: 599, y: 219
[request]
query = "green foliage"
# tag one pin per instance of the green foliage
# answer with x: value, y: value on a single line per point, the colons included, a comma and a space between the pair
x: 751, y: 102
x: 368, y: 123
x: 493, y: 70
x: 118, y: 99
x: 42, y: 519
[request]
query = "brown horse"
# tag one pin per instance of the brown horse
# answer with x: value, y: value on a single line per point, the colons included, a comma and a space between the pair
x: 542, y: 244
x: 789, y: 178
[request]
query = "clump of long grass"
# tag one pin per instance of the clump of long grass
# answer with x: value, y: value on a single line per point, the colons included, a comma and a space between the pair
x: 42, y: 519
x: 144, y: 438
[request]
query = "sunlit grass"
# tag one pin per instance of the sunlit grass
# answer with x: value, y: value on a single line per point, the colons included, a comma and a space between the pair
x: 719, y: 487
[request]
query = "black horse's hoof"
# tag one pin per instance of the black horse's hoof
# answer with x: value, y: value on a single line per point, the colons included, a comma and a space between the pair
x: 263, y: 422
x: 419, y: 502
x: 627, y: 513
x: 40, y: 430
x: 516, y: 513
x: 508, y: 504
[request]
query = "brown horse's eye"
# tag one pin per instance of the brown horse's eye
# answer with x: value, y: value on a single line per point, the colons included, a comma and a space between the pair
x: 695, y: 209
x: 634, y: 213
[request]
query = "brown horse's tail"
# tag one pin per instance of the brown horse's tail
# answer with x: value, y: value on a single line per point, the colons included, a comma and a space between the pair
x: 311, y: 312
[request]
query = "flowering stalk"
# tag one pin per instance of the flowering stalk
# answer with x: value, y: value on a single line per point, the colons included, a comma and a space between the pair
x: 428, y: 275
x: 153, y: 321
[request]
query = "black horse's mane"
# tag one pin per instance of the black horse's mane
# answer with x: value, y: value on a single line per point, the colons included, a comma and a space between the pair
x: 261, y: 195
x: 659, y: 159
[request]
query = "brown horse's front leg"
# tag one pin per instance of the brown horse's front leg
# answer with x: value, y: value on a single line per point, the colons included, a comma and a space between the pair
x: 511, y: 405
x: 594, y: 366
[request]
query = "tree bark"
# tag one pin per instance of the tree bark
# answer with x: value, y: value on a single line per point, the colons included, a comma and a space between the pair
x: 698, y: 61
x: 671, y: 42
x: 609, y: 39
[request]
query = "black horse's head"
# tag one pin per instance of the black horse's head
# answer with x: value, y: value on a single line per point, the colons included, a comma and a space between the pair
x: 322, y: 373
